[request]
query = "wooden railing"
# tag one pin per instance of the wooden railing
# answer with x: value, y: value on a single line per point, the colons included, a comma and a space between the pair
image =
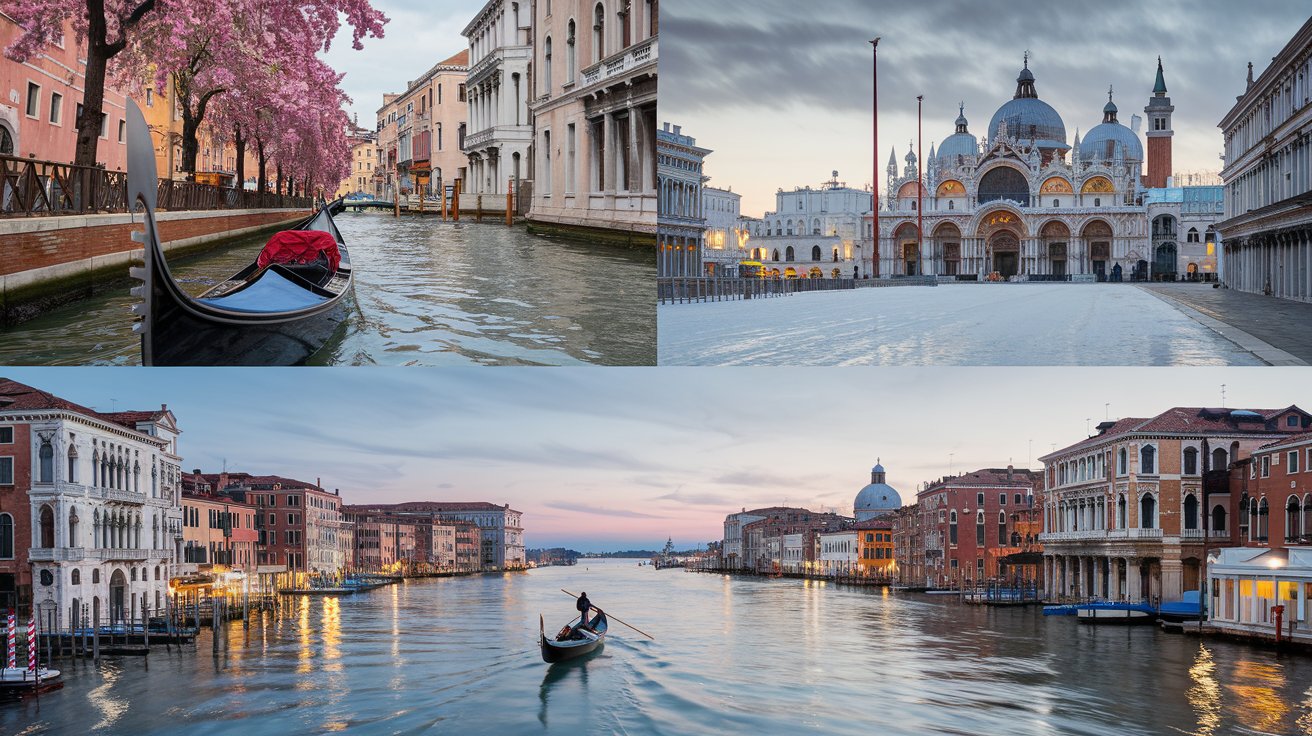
x: 34, y: 188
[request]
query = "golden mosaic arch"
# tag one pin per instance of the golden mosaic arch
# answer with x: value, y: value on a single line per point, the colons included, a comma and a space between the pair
x: 1056, y: 185
x: 907, y: 190
x: 951, y: 188
x: 1098, y: 185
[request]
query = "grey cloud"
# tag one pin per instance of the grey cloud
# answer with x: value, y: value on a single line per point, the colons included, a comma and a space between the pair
x: 582, y: 508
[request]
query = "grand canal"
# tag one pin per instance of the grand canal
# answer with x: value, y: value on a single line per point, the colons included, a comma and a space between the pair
x: 731, y: 655
x: 426, y: 293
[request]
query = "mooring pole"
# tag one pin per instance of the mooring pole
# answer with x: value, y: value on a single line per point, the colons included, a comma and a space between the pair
x: 510, y: 201
x: 455, y: 202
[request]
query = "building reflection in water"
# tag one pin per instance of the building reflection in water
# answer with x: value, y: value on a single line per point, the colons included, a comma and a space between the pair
x: 1257, y: 687
x: 1205, y: 695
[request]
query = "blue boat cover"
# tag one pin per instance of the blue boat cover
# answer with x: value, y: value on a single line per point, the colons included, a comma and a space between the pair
x: 270, y: 293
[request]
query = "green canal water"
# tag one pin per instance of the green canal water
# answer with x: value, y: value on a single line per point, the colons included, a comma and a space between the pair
x: 731, y: 655
x: 426, y: 293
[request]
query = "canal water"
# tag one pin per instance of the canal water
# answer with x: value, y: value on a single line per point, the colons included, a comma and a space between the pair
x: 426, y: 293
x: 731, y: 655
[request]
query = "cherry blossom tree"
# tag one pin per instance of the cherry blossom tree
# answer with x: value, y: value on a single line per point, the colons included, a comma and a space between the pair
x: 106, y: 26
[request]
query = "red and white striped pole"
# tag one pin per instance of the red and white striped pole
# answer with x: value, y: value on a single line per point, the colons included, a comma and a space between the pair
x: 12, y: 630
x: 31, y: 642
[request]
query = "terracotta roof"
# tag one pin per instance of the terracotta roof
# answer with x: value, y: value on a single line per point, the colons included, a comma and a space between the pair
x: 879, y: 522
x: 1192, y: 420
x: 252, y: 481
x: 15, y: 396
x: 440, y: 506
x: 460, y: 59
x: 1291, y: 440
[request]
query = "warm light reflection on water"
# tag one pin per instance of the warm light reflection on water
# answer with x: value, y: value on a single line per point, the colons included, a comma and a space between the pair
x: 731, y: 655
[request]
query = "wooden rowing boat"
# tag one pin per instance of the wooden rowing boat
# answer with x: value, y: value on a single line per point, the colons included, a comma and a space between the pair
x: 279, y: 310
x: 572, y: 642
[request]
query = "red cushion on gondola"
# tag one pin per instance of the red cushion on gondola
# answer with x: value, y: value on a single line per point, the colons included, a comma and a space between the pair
x: 300, y: 246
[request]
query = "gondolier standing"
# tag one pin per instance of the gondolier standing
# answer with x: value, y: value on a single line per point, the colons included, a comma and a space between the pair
x: 584, y: 605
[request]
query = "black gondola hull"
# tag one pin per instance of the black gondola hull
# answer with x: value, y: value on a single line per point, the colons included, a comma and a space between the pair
x: 554, y: 651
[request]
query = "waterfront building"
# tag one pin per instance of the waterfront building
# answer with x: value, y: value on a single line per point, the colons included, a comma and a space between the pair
x: 98, y: 498
x: 877, y: 498
x: 1273, y: 564
x: 724, y: 240
x: 876, y: 554
x: 732, y: 550
x: 42, y: 101
x: 364, y: 153
x: 965, y: 524
x: 500, y: 528
x: 1267, y: 231
x: 218, y: 532
x: 814, y: 233
x: 594, y: 117
x: 419, y: 132
x: 792, y: 554
x: 1013, y: 204
x: 385, y: 542
x: 840, y: 553
x: 1125, y: 511
x: 299, y: 524
x: 779, y: 521
x: 499, y: 128
x: 681, y: 222
x: 909, y: 547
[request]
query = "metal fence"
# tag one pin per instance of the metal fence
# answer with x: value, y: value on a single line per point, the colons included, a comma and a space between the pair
x: 34, y: 188
x: 687, y: 290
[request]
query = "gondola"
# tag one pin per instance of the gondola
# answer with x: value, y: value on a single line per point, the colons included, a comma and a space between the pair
x: 279, y: 310
x: 571, y: 643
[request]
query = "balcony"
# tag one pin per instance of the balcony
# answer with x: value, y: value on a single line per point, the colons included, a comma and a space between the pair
x: 480, y: 138
x: 67, y: 554
x: 114, y: 494
x: 620, y: 64
x: 126, y: 554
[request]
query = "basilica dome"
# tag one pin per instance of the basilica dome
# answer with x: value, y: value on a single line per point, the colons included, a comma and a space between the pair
x: 876, y: 499
x: 960, y: 143
x: 1029, y: 118
x: 1110, y: 140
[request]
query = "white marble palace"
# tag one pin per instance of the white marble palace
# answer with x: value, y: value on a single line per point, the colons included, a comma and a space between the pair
x: 1022, y: 202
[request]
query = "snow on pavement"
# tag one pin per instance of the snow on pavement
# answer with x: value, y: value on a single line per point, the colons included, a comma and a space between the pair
x: 953, y: 324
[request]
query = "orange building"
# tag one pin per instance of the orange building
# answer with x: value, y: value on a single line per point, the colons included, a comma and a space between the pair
x: 874, y: 540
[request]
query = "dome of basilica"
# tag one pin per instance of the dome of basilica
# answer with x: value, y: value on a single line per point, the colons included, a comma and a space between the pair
x: 877, y: 498
x: 960, y: 143
x: 1029, y: 118
x: 1110, y: 140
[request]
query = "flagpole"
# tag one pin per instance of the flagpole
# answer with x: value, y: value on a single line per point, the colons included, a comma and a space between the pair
x: 874, y: 169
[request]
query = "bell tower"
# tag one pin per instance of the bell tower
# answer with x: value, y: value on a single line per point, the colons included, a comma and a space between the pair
x: 1159, y: 133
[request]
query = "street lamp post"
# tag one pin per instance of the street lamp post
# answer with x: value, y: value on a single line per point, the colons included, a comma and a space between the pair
x: 874, y: 169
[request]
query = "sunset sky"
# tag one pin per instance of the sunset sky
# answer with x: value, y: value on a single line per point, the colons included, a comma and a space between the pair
x: 781, y: 91
x: 603, y: 459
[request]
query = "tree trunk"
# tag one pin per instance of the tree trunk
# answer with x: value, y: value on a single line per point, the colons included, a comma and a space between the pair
x: 264, y: 166
x: 278, y: 186
x: 99, y: 52
x: 240, y: 142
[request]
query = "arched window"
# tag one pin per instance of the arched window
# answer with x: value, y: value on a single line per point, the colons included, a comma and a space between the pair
x: 776, y: 255
x: 815, y: 252
x: 1190, y: 511
x: 47, y: 528
x: 599, y: 33
x: 76, y: 576
x: 1121, y: 459
x: 1219, y: 461
x: 979, y: 529
x: 6, y: 537
x: 6, y: 142
x: 835, y: 257
x: 1218, y: 518
x: 1190, y: 461
x: 72, y: 464
x: 1147, y: 460
x: 952, y: 528
x: 788, y: 254
x: 95, y: 576
x: 157, y: 566
x: 72, y: 527
x: 951, y: 205
x: 46, y: 455
x: 1002, y: 528
x: 546, y: 64
x: 815, y: 227
x: 1293, y: 518
x: 569, y: 54
x: 1262, y: 516
x: 1120, y: 512
x: 1246, y: 507
x: 1148, y: 512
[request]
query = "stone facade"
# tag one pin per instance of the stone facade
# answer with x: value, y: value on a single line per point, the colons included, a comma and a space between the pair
x: 813, y: 232
x: 498, y: 90
x: 682, y: 222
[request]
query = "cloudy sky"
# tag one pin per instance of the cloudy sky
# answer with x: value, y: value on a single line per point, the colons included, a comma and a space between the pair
x: 621, y: 458
x: 781, y: 90
x: 419, y: 34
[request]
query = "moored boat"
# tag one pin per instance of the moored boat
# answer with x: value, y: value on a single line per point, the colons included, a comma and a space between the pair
x: 279, y: 310
x: 1186, y: 609
x: 1115, y: 613
x: 573, y: 641
x: 12, y: 678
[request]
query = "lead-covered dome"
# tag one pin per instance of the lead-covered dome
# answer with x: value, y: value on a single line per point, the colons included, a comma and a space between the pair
x: 1029, y: 118
x: 960, y: 143
x: 1111, y: 140
x: 877, y: 498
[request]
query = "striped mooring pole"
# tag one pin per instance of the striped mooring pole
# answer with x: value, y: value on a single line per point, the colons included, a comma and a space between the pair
x: 31, y: 642
x: 12, y: 629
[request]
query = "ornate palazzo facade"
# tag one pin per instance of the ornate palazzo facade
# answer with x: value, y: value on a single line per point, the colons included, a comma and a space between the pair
x: 497, y: 92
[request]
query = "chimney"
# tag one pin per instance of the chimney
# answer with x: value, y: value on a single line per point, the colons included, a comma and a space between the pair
x: 677, y: 129
x: 195, y: 471
x: 1009, y: 469
x: 666, y: 128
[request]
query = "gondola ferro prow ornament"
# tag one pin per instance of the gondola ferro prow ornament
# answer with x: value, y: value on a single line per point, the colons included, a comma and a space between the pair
x: 143, y: 192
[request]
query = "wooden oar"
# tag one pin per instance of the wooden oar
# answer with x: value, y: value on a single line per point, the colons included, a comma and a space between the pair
x: 617, y: 618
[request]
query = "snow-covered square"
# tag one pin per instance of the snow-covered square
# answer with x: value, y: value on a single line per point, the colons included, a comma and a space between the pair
x: 955, y: 324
